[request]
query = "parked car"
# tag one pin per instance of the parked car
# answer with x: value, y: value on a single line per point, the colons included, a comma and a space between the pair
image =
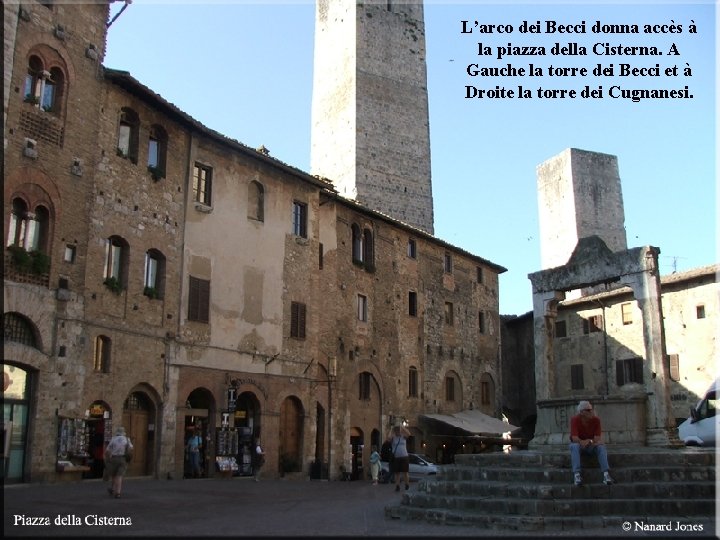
x: 420, y: 467
x: 701, y: 428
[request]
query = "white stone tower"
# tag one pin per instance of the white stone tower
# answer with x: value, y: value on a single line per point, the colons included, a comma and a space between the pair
x: 370, y: 128
x: 579, y: 195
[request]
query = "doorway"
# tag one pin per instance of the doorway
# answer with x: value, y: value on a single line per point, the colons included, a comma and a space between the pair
x: 138, y: 421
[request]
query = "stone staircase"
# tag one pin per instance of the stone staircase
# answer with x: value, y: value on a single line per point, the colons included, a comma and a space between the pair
x: 533, y: 491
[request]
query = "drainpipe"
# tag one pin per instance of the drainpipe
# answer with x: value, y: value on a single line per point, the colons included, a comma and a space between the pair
x: 605, y: 348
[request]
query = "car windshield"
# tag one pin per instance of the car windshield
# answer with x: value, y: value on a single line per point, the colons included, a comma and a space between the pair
x: 419, y: 458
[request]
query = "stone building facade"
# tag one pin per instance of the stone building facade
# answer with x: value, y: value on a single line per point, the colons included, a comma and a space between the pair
x: 164, y: 277
x: 599, y: 339
x: 605, y: 326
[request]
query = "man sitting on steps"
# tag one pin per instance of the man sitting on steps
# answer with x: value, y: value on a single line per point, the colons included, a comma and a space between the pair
x: 586, y: 438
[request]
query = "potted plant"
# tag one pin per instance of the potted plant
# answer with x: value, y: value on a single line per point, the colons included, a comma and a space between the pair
x: 39, y: 262
x: 151, y: 292
x: 20, y: 258
x: 113, y: 284
x: 155, y: 172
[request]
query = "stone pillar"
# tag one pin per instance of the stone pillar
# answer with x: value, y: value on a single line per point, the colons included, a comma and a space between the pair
x: 661, y: 429
x: 544, y: 313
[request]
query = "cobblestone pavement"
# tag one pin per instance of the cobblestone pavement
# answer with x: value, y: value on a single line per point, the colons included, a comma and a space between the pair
x: 235, y: 507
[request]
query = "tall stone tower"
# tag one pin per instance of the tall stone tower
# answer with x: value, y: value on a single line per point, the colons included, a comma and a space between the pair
x: 579, y: 195
x: 370, y: 128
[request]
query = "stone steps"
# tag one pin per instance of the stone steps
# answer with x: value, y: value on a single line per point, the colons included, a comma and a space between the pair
x: 533, y: 491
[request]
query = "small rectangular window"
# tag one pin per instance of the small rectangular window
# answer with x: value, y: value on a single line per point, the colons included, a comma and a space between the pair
x: 629, y: 370
x: 364, y: 381
x: 413, y: 382
x: 626, y: 310
x: 481, y: 321
x: 700, y: 311
x: 299, y: 219
x: 412, y: 303
x: 480, y: 275
x: 202, y: 184
x: 449, y: 389
x: 448, y: 265
x: 593, y: 324
x: 362, y: 308
x: 449, y: 315
x: 320, y: 256
x: 69, y: 256
x: 102, y: 354
x: 560, y: 329
x: 484, y: 393
x: 577, y: 381
x: 674, y: 360
x: 297, y: 320
x: 199, y: 300
x: 412, y: 249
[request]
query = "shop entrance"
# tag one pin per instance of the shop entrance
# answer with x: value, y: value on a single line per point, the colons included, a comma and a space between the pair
x: 246, y: 419
x: 16, y: 401
x: 99, y: 427
x: 357, y: 446
x: 200, y: 405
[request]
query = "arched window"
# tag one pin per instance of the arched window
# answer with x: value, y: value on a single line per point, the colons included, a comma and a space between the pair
x: 157, y: 151
x: 357, y: 244
x: 256, y: 201
x: 44, y: 86
x: 128, y: 135
x: 19, y: 329
x: 368, y: 249
x: 18, y: 224
x: 116, y: 263
x: 154, y: 274
x: 26, y: 229
x: 413, y: 382
x: 101, y: 355
x: 31, y: 90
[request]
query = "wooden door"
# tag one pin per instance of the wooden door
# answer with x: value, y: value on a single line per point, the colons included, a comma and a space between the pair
x: 290, y: 435
x: 136, y: 426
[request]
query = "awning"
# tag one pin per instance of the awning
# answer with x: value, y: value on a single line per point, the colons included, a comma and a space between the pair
x: 473, y: 422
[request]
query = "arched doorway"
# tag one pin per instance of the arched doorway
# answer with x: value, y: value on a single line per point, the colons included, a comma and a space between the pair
x: 199, y: 419
x: 138, y: 419
x: 290, y: 435
x: 99, y: 433
x: 357, y: 444
x: 247, y: 422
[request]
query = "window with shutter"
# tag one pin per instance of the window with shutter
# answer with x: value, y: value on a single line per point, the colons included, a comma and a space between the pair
x: 674, y: 366
x: 297, y: 320
x: 199, y: 300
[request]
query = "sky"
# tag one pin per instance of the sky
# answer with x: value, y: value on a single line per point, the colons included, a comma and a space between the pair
x: 244, y: 69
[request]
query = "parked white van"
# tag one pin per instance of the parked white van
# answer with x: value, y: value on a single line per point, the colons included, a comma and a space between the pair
x: 701, y: 428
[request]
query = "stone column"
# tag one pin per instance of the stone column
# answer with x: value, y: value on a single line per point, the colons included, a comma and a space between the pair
x: 661, y: 430
x: 544, y: 313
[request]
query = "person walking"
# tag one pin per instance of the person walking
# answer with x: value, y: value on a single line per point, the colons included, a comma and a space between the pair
x: 258, y: 460
x: 374, y: 465
x: 401, y: 463
x: 586, y: 438
x: 118, y: 453
x: 193, y: 446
